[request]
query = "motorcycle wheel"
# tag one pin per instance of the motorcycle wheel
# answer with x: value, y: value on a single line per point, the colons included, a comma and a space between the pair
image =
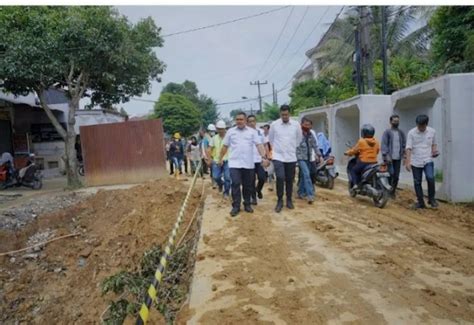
x: 382, y: 200
x: 80, y: 170
x: 352, y: 193
x: 330, y: 181
x: 37, y: 184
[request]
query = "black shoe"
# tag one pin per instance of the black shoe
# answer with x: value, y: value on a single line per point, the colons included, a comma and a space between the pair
x: 248, y: 209
x: 254, y: 201
x: 279, y: 206
x: 418, y: 206
x: 220, y: 189
x: 260, y: 195
x: 234, y: 212
x: 290, y: 205
x: 433, y: 204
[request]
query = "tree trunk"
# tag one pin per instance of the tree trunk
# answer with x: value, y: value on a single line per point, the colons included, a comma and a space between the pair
x: 73, y: 180
x: 69, y: 137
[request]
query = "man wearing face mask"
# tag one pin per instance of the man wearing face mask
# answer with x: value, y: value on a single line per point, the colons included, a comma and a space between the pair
x: 393, y: 148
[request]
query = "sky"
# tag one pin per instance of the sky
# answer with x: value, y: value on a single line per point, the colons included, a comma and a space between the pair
x: 223, y: 60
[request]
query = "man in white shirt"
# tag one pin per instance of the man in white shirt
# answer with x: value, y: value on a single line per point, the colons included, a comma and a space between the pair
x: 285, y: 136
x: 421, y: 148
x: 241, y: 140
x: 259, y: 171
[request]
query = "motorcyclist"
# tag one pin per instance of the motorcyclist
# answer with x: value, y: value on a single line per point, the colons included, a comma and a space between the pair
x: 366, y: 150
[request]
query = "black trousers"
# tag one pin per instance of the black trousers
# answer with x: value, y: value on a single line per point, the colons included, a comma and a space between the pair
x: 285, y: 175
x: 243, y: 181
x: 394, y: 169
x: 261, y: 176
x: 171, y: 166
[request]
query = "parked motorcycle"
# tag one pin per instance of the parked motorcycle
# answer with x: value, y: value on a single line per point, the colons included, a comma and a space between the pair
x: 326, y: 173
x: 80, y: 167
x: 28, y: 176
x: 374, y: 182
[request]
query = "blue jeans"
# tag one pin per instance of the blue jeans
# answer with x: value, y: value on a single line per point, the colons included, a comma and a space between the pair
x: 177, y: 162
x: 219, y: 172
x: 305, y: 187
x: 428, y: 169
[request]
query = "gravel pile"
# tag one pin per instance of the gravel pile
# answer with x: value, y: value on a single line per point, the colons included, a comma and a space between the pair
x: 17, y: 217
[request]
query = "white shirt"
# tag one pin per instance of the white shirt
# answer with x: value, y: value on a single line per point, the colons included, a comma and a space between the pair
x: 257, y: 158
x: 241, y: 143
x: 420, y: 144
x: 284, y: 138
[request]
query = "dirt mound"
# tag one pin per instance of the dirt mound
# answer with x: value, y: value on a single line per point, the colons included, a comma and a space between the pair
x: 61, y: 284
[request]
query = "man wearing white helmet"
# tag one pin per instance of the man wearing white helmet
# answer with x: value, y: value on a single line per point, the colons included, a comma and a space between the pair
x: 222, y: 171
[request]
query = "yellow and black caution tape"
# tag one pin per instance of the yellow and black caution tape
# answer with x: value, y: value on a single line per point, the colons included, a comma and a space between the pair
x: 157, y: 279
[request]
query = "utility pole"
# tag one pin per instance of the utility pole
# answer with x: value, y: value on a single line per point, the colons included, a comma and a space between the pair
x: 275, y: 95
x: 359, y: 79
x: 258, y: 83
x: 365, y: 39
x: 384, y: 49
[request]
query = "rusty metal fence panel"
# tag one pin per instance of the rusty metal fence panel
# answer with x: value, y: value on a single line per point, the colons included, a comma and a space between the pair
x: 125, y: 152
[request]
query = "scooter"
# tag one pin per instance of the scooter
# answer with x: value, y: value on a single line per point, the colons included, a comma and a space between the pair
x: 374, y: 183
x: 326, y: 173
x: 28, y: 176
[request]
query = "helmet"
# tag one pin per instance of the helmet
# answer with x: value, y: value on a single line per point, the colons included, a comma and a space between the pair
x: 211, y: 127
x: 220, y: 124
x: 367, y: 131
x: 177, y: 135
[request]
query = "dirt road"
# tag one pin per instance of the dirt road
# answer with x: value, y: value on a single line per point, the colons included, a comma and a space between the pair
x: 340, y: 260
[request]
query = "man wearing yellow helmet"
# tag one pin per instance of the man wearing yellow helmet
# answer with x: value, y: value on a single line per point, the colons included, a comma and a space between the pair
x: 177, y: 153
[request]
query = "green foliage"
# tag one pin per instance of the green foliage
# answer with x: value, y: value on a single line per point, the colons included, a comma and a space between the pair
x: 206, y: 105
x: 327, y: 89
x: 179, y: 114
x: 453, y: 37
x: 90, y: 47
x: 133, y: 285
x: 271, y: 112
x: 404, y: 72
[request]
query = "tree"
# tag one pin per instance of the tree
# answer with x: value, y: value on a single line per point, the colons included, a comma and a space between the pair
x: 453, y: 38
x: 271, y: 112
x: 179, y: 114
x: 80, y: 50
x: 205, y: 104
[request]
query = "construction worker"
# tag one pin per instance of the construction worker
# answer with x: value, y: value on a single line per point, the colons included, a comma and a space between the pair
x: 220, y: 173
x: 177, y: 153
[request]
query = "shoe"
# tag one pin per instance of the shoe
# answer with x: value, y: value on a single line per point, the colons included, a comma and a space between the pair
x: 248, y: 209
x: 254, y: 201
x: 301, y: 197
x: 260, y: 195
x: 279, y: 206
x: 270, y: 189
x: 310, y: 200
x: 220, y: 189
x: 234, y: 212
x: 434, y: 204
x: 226, y: 196
x: 417, y: 206
x: 290, y: 205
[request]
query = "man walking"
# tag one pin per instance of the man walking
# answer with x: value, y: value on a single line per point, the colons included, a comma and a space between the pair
x: 177, y: 154
x: 304, y: 153
x: 393, y: 148
x: 219, y: 171
x: 270, y: 170
x: 285, y: 135
x: 421, y: 149
x: 240, y: 140
x: 259, y: 171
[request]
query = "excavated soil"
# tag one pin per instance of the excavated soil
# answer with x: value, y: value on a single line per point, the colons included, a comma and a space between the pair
x: 60, y: 284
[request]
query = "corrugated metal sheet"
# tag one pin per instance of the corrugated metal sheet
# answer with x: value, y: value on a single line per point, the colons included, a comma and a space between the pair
x: 126, y: 152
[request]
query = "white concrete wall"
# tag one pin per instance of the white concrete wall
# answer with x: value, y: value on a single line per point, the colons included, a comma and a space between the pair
x: 449, y: 103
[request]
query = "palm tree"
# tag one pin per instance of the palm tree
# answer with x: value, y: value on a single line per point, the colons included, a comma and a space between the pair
x: 339, y: 43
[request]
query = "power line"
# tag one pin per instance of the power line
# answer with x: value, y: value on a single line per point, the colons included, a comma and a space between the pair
x: 276, y: 43
x: 306, y: 39
x: 288, y: 44
x: 224, y: 22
